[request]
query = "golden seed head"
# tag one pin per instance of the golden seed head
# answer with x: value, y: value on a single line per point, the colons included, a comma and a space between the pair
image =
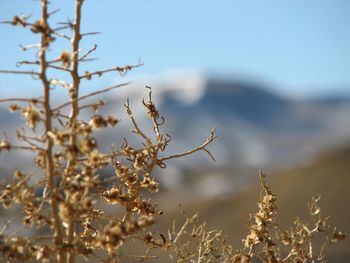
x: 65, y: 58
x: 38, y: 26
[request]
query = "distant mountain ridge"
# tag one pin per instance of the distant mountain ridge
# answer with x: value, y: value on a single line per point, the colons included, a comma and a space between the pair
x: 255, y: 126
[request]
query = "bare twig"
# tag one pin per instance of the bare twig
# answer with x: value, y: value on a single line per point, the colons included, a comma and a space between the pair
x: 53, y: 12
x: 88, y: 53
x: 93, y: 94
x: 27, y: 148
x: 61, y: 35
x: 121, y: 70
x: 21, y: 72
x: 33, y: 100
x: 26, y: 47
x: 59, y: 68
x: 137, y: 128
x: 94, y: 106
x: 6, y: 225
x: 26, y: 62
x: 202, y: 147
x: 90, y: 33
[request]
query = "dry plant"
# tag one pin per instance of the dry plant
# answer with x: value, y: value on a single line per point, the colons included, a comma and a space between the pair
x: 67, y: 153
x: 266, y: 242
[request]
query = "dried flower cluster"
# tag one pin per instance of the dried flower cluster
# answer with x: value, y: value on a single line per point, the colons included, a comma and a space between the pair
x: 268, y: 243
x: 65, y: 200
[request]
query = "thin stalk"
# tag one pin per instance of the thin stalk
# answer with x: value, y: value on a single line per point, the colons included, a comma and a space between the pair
x: 74, y: 112
x: 58, y: 235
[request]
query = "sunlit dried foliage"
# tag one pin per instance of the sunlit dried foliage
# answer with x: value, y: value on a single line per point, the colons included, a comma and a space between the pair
x: 67, y: 151
x: 64, y: 201
x: 267, y: 242
x: 194, y: 242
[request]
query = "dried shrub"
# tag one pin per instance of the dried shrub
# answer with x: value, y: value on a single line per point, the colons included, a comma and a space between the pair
x: 67, y: 152
x: 266, y: 242
x: 64, y: 200
x: 269, y: 243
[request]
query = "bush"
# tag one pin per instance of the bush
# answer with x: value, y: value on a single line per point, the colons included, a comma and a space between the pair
x: 67, y: 152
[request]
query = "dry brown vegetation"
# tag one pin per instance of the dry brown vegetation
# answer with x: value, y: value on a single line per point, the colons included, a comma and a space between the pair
x: 67, y: 153
x: 327, y: 175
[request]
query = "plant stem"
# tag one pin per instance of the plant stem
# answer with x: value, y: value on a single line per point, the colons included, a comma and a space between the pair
x: 58, y: 236
x: 74, y: 94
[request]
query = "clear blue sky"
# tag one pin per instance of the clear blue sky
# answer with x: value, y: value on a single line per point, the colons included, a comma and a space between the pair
x: 302, y: 47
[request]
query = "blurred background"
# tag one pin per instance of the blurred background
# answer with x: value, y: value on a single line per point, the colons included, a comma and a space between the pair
x: 271, y: 76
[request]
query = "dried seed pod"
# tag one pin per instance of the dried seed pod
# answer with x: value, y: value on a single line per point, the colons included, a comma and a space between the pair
x: 19, y: 21
x: 32, y: 115
x: 98, y: 122
x: 112, y: 196
x: 84, y: 129
x: 65, y: 58
x: 153, y: 186
x: 88, y: 75
x: 87, y: 145
x: 59, y: 137
x: 111, y: 120
x: 38, y: 26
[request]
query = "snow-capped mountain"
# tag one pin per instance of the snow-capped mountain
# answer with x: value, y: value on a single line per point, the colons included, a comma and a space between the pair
x: 255, y: 126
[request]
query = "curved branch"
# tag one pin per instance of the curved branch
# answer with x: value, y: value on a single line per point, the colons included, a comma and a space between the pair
x: 202, y: 147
